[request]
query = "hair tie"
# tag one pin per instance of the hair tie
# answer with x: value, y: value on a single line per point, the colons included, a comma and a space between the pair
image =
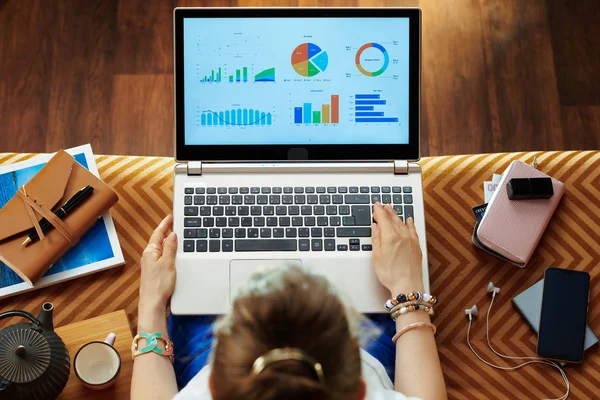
x: 284, y: 354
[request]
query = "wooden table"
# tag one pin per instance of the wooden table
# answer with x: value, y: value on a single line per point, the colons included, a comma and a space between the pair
x: 458, y: 271
x: 77, y: 334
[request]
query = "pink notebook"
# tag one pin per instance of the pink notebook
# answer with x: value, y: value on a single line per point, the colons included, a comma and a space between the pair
x: 513, y: 228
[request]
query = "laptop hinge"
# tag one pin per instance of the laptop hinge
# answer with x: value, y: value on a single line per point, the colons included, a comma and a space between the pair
x: 400, y: 167
x: 194, y: 168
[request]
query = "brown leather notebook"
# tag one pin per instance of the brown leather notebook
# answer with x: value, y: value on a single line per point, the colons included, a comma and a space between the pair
x: 60, y: 179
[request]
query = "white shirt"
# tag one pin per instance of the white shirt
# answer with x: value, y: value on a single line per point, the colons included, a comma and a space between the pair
x: 379, y: 385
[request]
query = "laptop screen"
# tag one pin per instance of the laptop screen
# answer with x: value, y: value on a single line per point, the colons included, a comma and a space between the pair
x: 296, y: 81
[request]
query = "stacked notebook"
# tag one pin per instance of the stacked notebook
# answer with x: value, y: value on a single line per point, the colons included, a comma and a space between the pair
x: 81, y: 242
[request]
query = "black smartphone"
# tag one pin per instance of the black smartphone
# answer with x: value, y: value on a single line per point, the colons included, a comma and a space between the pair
x: 564, y: 315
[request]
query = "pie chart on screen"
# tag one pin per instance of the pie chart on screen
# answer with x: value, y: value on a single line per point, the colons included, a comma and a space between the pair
x: 309, y: 60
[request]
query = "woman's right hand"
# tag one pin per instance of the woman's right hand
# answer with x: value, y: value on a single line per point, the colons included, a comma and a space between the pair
x: 397, y: 254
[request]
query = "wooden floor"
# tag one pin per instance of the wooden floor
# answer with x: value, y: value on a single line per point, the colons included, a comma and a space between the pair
x: 498, y: 75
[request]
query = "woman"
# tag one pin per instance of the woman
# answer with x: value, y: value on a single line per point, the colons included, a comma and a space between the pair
x: 289, y: 336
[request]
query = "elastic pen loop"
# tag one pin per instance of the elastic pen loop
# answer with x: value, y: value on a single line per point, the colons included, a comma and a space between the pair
x: 50, y: 217
x: 23, y: 195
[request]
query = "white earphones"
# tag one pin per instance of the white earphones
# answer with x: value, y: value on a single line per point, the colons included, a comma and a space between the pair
x: 473, y: 312
x: 492, y: 289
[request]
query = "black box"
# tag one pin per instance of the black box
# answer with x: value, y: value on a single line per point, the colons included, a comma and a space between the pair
x: 529, y: 188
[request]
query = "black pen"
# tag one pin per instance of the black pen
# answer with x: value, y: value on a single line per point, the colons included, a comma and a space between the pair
x: 69, y: 206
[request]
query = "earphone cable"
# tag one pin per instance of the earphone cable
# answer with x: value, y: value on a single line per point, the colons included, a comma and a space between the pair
x: 533, y: 360
x: 547, y: 362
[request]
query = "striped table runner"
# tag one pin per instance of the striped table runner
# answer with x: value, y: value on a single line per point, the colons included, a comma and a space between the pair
x: 459, y: 272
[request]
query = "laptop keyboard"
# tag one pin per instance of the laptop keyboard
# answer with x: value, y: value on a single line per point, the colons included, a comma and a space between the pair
x: 246, y: 219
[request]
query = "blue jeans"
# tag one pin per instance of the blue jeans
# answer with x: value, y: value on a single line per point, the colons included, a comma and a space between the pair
x: 193, y: 340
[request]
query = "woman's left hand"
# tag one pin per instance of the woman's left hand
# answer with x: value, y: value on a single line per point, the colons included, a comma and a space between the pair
x: 158, y: 267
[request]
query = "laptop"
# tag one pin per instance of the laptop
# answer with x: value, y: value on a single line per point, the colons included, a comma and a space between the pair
x: 290, y: 123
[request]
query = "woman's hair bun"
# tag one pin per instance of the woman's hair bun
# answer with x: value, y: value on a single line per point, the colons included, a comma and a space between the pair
x: 288, y: 380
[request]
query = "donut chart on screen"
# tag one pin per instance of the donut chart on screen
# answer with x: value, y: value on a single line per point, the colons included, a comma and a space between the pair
x: 362, y: 69
x: 308, y: 59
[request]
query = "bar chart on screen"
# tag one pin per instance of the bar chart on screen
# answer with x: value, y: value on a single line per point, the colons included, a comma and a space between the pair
x: 235, y: 117
x: 316, y: 113
x: 243, y: 57
x: 243, y: 74
x: 370, y: 108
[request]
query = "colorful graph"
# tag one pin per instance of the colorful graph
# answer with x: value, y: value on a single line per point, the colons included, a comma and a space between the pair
x: 268, y: 75
x: 308, y: 59
x: 363, y: 64
x: 364, y: 109
x: 327, y: 114
x: 240, y: 75
x: 235, y: 117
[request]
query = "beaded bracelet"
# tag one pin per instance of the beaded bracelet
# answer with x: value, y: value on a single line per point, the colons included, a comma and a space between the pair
x: 412, y: 296
x: 409, y: 303
x: 411, y: 327
x: 411, y: 308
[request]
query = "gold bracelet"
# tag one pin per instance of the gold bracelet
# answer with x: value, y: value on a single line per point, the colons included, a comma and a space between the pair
x: 411, y: 327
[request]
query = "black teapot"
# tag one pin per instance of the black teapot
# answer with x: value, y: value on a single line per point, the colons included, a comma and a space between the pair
x: 34, y: 361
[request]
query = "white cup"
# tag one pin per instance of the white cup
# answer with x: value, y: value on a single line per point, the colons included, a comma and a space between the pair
x: 97, y: 364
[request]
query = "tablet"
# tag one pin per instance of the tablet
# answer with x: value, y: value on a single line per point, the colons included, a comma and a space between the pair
x: 529, y: 304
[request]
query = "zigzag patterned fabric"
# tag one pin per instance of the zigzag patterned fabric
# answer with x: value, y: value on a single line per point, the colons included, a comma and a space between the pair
x: 459, y: 271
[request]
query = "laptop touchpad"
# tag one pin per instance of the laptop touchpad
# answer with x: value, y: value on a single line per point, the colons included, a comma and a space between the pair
x: 240, y: 272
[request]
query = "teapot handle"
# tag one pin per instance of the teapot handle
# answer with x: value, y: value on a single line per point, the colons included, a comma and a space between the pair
x: 24, y: 314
